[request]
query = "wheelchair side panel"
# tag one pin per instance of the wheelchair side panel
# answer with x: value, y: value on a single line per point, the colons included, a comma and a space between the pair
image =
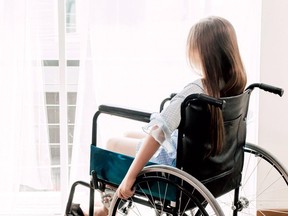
x: 109, y: 166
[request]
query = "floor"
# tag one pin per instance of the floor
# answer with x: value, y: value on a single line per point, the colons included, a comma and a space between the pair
x: 32, y: 203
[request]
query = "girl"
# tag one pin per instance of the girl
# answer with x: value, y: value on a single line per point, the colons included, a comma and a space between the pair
x: 212, y: 50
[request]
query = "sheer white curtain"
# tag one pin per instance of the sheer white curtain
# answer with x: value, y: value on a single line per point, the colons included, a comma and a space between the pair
x: 134, y: 55
x: 24, y: 154
x: 86, y: 100
x: 125, y: 52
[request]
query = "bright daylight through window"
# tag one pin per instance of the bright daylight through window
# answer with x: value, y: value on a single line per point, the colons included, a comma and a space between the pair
x: 63, y: 58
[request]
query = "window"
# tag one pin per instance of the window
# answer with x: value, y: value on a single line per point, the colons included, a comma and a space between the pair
x: 53, y: 113
x: 70, y: 16
x: 52, y: 106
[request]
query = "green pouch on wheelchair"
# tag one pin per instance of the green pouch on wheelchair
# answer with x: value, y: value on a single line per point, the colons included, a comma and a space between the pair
x: 111, y: 167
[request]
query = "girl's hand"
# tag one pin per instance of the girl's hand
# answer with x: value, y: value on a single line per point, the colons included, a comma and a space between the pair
x: 148, y: 148
x: 125, y: 189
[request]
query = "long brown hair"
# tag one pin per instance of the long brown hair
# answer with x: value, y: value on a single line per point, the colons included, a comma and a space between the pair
x: 214, y: 40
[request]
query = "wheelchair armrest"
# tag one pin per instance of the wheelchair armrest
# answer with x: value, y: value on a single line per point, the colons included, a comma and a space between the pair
x: 125, y: 113
x: 137, y: 115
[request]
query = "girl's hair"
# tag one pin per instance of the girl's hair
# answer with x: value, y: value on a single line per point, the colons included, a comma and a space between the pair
x: 214, y: 41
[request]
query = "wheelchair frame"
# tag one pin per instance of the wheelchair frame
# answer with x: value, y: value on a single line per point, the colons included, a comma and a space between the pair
x: 239, y: 205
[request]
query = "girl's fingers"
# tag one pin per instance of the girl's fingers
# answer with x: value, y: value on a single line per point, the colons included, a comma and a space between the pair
x: 124, y: 195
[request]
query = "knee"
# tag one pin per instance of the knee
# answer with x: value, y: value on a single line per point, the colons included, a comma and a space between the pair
x: 111, y: 144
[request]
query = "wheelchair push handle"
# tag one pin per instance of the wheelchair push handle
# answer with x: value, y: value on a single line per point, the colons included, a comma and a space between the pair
x: 266, y: 87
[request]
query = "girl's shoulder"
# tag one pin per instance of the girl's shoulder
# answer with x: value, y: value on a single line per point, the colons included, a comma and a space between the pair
x: 195, y: 86
x: 192, y: 88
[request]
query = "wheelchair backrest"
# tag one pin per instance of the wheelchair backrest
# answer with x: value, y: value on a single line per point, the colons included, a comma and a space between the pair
x: 220, y: 173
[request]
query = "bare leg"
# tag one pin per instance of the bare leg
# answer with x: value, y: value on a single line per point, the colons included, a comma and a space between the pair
x: 123, y: 145
x: 100, y: 211
x: 135, y: 134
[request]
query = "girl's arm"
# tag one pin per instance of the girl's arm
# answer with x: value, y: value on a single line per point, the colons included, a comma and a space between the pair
x: 147, y: 150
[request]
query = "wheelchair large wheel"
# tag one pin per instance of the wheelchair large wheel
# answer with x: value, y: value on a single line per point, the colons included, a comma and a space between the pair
x: 264, y: 187
x: 163, y: 190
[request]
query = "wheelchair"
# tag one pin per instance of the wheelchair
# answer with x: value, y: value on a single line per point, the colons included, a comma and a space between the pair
x: 225, y: 184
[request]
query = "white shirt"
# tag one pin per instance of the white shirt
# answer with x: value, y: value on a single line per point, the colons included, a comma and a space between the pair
x: 162, y: 126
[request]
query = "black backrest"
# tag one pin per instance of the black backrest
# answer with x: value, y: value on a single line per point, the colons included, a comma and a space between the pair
x: 220, y: 173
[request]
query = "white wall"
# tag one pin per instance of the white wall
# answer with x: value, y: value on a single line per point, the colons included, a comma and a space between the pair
x: 273, y: 116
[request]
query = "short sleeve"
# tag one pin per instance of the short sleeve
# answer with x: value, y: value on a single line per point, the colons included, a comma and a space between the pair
x: 163, y: 124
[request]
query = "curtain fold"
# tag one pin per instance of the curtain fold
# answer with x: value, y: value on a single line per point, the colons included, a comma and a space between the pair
x: 24, y: 154
x: 86, y: 104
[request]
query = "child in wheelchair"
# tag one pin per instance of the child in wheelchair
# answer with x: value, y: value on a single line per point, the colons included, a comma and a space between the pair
x: 213, y: 52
